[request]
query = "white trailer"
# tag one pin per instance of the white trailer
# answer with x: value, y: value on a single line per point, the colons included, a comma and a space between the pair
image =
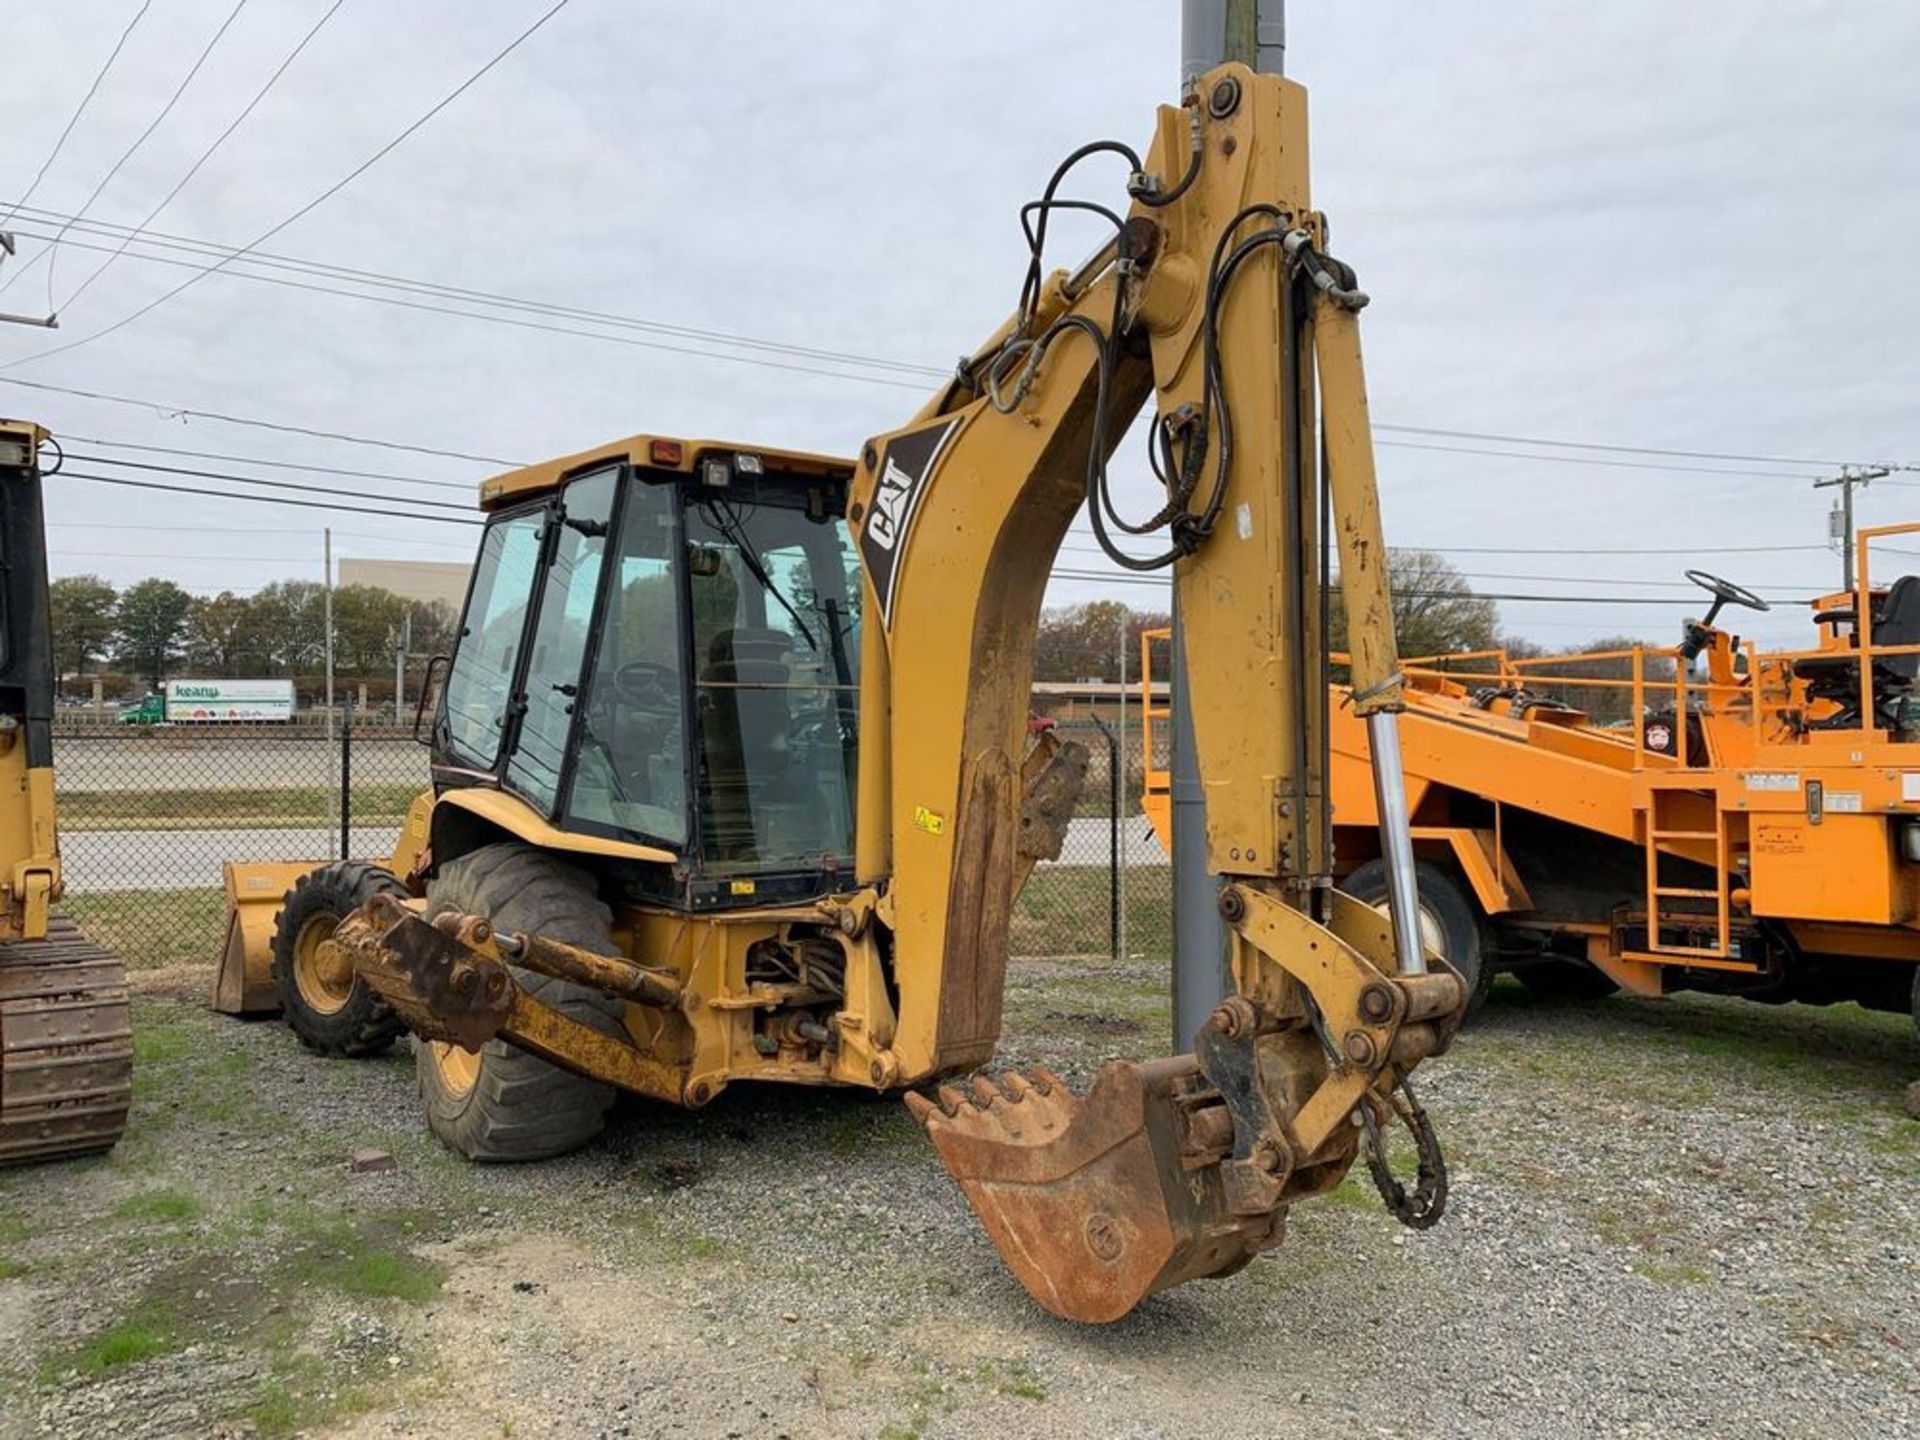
x: 251, y: 702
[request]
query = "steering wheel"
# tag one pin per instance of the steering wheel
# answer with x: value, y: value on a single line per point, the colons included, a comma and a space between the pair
x: 646, y: 685
x: 1725, y: 592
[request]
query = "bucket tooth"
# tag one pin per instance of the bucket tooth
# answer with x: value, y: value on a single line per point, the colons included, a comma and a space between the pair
x: 1094, y: 1203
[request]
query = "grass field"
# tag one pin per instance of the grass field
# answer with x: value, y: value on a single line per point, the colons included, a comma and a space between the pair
x: 209, y: 807
x: 149, y: 929
x: 1067, y: 910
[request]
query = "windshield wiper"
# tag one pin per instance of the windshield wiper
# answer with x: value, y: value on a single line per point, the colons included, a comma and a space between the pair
x: 728, y: 524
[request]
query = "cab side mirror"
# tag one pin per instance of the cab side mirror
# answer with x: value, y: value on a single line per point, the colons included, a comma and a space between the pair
x: 426, y: 712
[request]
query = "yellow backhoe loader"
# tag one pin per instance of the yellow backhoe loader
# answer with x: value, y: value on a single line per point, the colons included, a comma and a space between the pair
x: 66, y: 1045
x: 732, y: 777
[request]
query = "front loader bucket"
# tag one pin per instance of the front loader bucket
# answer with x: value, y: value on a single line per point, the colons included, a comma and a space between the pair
x: 243, y: 985
x: 1097, y: 1203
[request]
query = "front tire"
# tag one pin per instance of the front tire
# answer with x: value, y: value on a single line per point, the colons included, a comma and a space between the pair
x: 1449, y: 921
x: 504, y: 1105
x: 325, y: 1003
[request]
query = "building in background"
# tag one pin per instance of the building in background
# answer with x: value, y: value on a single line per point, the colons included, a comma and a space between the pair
x: 423, y: 580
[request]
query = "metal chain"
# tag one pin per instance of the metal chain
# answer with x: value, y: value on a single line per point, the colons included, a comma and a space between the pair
x: 1423, y: 1208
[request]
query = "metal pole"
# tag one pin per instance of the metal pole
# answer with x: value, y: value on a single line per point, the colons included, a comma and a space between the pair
x: 346, y: 780
x: 1211, y: 33
x: 1390, y: 798
x: 1113, y: 836
x: 1846, y: 546
x: 327, y: 552
x: 400, y: 665
x: 1123, y: 790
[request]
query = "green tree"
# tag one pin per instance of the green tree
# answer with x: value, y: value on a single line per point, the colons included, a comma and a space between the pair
x: 1434, y: 608
x: 366, y: 628
x: 288, y: 621
x: 1082, y: 642
x: 150, y: 622
x: 216, y: 636
x: 434, y: 625
x: 81, y: 610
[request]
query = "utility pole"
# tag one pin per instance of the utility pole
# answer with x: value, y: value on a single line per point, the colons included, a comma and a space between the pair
x: 1841, y: 526
x: 327, y: 553
x: 1212, y: 32
x: 400, y: 664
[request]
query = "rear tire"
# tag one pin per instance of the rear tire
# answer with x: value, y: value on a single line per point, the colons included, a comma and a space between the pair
x: 1449, y: 920
x: 1566, y: 980
x: 505, y: 1105
x: 333, y: 1014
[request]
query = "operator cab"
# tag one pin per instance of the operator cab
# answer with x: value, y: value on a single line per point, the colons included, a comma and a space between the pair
x: 660, y: 646
x: 1833, y: 677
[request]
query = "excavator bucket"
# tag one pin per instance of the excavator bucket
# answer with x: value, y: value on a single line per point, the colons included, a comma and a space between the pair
x: 244, y: 983
x: 1097, y: 1202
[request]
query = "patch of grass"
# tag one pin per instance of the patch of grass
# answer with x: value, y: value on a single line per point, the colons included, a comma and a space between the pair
x: 351, y: 1261
x: 303, y: 1394
x: 13, y: 1269
x: 1667, y: 1272
x: 1067, y: 910
x: 163, y: 1206
x: 149, y: 929
x: 1017, y: 1378
x: 151, y: 1330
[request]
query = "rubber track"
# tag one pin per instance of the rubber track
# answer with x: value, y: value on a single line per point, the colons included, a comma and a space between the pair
x: 66, y: 1047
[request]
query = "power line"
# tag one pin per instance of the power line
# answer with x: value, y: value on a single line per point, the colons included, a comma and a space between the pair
x: 1589, y: 460
x: 81, y: 109
x: 250, y: 460
x: 167, y: 411
x: 1597, y: 445
x: 52, y: 252
x: 213, y: 148
x: 276, y: 484
x: 261, y: 499
x: 254, y: 530
x: 1161, y: 583
x: 202, y: 271
x: 311, y: 205
x: 303, y: 266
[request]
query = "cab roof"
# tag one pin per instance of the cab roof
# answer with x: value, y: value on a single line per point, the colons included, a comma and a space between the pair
x: 654, y: 452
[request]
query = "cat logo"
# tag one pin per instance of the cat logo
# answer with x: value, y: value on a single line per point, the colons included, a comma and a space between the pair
x: 906, y: 474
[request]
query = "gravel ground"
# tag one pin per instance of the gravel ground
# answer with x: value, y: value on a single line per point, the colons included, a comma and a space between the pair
x: 1688, y: 1216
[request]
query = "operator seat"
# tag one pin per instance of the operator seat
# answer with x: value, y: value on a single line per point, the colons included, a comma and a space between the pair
x: 1836, y: 678
x: 746, y: 716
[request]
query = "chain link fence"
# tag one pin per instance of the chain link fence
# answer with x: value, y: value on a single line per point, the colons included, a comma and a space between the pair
x: 1111, y: 891
x: 149, y: 815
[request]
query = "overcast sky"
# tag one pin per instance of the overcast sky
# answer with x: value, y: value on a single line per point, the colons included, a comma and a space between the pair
x: 1681, y: 226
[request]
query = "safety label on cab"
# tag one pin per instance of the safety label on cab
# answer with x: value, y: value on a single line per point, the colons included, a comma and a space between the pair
x: 931, y: 821
x: 1787, y: 780
x: 1910, y: 785
x: 1843, y: 802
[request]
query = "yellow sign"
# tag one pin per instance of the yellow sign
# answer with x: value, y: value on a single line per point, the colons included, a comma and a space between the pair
x: 741, y: 887
x: 931, y: 821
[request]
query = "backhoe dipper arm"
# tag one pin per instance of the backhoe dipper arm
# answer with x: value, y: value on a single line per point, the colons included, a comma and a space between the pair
x: 1214, y: 299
